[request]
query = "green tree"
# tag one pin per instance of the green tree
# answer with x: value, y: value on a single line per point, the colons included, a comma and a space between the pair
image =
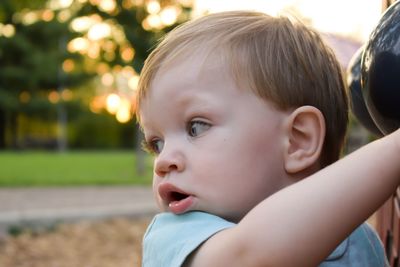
x: 33, y: 58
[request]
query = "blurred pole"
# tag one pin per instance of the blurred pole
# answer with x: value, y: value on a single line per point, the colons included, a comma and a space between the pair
x: 61, y: 112
x: 2, y: 129
x: 140, y: 154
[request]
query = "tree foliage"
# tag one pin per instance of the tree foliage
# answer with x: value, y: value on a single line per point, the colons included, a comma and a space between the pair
x: 36, y: 62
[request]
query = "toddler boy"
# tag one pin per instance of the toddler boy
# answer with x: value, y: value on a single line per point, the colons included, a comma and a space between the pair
x: 238, y: 106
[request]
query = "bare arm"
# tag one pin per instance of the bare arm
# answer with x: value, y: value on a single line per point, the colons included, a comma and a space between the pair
x: 301, y: 224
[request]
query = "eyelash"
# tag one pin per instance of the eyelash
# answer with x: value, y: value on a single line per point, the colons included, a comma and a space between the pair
x: 151, y: 145
x: 191, y: 123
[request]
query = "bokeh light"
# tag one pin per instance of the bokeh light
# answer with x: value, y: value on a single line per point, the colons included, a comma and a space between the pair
x: 107, y: 5
x: 54, y: 97
x: 133, y: 82
x: 24, y: 97
x: 99, y: 31
x: 79, y: 44
x: 113, y: 102
x: 47, y: 15
x: 67, y: 95
x: 169, y: 15
x: 7, y: 30
x: 68, y: 65
x: 124, y: 111
x: 107, y: 79
x: 82, y: 24
x: 153, y: 7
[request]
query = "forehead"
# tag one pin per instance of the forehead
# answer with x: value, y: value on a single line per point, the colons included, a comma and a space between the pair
x: 196, y: 59
x: 181, y: 78
x: 185, y: 71
x: 195, y: 83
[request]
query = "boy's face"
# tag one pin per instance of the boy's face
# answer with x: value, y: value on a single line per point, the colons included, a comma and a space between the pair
x: 217, y: 148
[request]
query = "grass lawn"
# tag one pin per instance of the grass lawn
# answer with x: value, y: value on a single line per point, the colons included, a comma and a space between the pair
x: 71, y: 168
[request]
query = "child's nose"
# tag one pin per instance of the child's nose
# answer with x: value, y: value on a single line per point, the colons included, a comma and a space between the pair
x: 169, y: 160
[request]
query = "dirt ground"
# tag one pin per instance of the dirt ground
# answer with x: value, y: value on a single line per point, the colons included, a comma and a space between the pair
x: 111, y: 243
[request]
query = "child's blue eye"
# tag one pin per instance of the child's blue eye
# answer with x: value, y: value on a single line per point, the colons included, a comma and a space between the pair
x: 157, y: 145
x: 196, y: 128
x: 154, y: 146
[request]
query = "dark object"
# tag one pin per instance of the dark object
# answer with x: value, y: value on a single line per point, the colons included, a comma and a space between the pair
x: 380, y: 71
x: 358, y: 106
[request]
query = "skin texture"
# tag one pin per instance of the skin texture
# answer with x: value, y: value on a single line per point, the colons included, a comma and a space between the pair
x: 229, y: 122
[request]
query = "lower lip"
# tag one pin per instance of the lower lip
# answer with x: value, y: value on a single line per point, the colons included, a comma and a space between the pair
x: 181, y: 206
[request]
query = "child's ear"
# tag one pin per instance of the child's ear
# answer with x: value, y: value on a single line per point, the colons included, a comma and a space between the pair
x: 305, y: 139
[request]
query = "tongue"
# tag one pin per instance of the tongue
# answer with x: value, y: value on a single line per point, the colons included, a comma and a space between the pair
x: 181, y: 206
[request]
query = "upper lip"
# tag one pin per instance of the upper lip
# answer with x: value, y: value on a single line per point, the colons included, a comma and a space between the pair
x: 169, y: 192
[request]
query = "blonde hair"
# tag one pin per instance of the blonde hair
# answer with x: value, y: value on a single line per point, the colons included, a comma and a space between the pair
x: 280, y: 60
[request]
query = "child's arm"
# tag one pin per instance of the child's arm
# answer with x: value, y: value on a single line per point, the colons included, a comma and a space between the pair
x: 301, y: 224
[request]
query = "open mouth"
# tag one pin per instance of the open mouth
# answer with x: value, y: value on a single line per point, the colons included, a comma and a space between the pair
x: 169, y: 193
x: 176, y: 196
x: 176, y: 199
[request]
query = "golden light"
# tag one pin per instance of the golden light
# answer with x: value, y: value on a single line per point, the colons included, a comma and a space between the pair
x: 24, y: 97
x: 127, y: 72
x: 112, y: 103
x: 146, y: 25
x: 107, y: 79
x: 99, y: 31
x: 79, y: 44
x: 47, y: 15
x: 127, y: 4
x: 95, y: 2
x: 153, y: 7
x: 54, y: 97
x: 186, y: 3
x: 118, y: 34
x: 97, y: 104
x: 109, y: 56
x: 67, y: 95
x: 7, y: 30
x: 117, y: 68
x: 108, y: 46
x: 94, y: 50
x: 153, y: 21
x: 30, y: 18
x: 68, y: 65
x: 138, y: 2
x: 65, y: 3
x: 82, y: 24
x: 169, y: 15
x: 107, y: 5
x: 133, y: 104
x: 123, y: 114
x: 127, y: 54
x: 102, y: 68
x: 64, y: 15
x: 133, y: 82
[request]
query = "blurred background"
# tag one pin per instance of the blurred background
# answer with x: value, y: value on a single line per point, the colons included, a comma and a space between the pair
x: 68, y: 76
x: 69, y: 71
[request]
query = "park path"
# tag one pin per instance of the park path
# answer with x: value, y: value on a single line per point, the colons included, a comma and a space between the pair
x: 44, y: 206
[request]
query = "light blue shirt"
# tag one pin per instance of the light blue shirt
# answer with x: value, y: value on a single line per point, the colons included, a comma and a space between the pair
x: 170, y: 239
